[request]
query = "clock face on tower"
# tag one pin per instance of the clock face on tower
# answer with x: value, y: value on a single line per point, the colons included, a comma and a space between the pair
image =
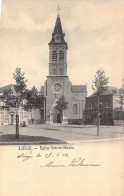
x: 57, y: 37
x: 57, y: 88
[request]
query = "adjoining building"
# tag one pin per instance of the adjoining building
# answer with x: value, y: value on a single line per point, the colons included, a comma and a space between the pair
x: 9, y: 116
x: 110, y: 109
x: 58, y: 83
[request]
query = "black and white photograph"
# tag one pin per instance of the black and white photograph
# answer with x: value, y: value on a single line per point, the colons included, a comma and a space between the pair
x: 61, y: 87
x: 61, y: 72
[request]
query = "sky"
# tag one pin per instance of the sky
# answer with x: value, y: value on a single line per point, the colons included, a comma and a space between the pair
x: 0, y: 6
x: 94, y: 31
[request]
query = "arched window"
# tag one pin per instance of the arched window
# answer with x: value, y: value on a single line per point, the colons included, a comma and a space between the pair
x: 75, y: 109
x: 61, y: 55
x: 106, y: 103
x: 54, y: 72
x: 91, y: 106
x: 61, y: 72
x: 54, y: 56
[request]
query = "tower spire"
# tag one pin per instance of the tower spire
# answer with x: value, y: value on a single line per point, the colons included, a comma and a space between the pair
x: 58, y: 9
x: 58, y: 34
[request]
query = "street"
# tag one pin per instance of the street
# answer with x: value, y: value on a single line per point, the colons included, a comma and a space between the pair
x: 57, y: 133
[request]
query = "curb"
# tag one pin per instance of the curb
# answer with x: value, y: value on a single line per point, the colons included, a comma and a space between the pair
x: 92, y: 141
x: 60, y: 143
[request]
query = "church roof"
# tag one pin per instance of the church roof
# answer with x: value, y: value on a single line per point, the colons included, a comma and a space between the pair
x: 58, y: 32
x: 58, y: 26
x: 78, y: 89
x: 6, y: 88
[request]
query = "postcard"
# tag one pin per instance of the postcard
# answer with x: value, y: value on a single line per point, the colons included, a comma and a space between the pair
x: 61, y: 98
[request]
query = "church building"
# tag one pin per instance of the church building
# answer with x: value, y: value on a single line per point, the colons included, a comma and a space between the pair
x: 58, y: 84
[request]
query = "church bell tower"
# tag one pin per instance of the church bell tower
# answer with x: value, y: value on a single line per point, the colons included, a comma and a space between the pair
x: 57, y: 83
x: 58, y: 51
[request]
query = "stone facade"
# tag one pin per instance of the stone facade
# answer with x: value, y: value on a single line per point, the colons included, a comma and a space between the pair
x: 58, y: 83
x: 9, y: 117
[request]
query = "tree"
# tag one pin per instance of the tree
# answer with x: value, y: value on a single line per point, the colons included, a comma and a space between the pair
x: 20, y: 86
x: 99, y: 86
x: 61, y: 105
x: 8, y: 100
x: 20, y: 90
x: 34, y: 100
x: 13, y: 98
x: 31, y: 96
x: 15, y: 95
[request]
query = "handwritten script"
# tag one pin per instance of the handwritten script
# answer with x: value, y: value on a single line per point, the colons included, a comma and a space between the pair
x: 49, y: 157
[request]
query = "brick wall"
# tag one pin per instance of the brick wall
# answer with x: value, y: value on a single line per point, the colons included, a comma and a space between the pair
x: 106, y: 109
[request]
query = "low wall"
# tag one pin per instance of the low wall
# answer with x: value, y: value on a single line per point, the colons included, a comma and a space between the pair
x: 36, y: 121
x: 4, y: 122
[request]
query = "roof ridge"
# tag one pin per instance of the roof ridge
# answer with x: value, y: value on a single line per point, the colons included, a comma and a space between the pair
x: 6, y: 86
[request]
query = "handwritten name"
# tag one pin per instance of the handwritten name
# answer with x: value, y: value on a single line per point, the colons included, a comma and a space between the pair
x: 82, y: 162
x: 74, y: 163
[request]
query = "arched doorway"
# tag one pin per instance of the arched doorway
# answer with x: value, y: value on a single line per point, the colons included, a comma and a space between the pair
x: 56, y: 116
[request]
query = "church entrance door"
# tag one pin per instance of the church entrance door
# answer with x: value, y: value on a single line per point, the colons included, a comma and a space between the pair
x: 56, y: 116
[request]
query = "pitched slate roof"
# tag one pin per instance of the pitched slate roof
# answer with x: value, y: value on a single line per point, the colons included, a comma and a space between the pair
x: 58, y: 31
x: 58, y: 26
x: 6, y: 88
x: 78, y: 89
x: 109, y: 91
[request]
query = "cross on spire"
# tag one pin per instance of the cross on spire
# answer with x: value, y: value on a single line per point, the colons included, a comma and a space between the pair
x: 58, y: 9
